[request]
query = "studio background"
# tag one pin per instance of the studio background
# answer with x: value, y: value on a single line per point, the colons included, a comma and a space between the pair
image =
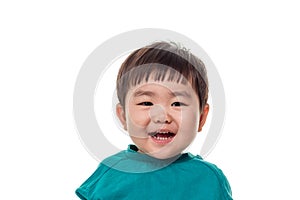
x: 253, y: 44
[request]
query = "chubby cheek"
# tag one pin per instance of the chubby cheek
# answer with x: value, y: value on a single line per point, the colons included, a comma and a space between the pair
x: 138, y: 117
x: 137, y: 121
x: 189, y: 122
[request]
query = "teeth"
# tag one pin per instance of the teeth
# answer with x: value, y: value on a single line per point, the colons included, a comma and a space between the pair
x: 163, y: 132
x: 154, y: 133
x: 162, y: 135
x: 162, y: 138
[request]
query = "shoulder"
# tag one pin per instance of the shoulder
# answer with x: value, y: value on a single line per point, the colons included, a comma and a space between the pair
x: 84, y: 190
x: 210, y: 174
x: 209, y: 167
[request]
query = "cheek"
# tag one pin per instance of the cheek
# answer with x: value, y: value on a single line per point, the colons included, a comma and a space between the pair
x: 189, y: 121
x: 137, y: 122
x: 138, y: 118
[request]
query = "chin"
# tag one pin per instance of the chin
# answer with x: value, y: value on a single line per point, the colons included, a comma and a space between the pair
x: 164, y: 154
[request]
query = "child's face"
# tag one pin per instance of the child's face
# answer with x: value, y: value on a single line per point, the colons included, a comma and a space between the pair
x: 162, y: 118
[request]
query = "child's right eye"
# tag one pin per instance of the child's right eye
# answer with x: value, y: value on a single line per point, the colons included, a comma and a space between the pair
x: 146, y: 103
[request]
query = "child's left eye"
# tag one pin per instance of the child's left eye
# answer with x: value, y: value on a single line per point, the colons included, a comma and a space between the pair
x: 178, y: 104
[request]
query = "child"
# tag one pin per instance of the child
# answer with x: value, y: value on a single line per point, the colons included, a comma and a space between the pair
x: 162, y: 91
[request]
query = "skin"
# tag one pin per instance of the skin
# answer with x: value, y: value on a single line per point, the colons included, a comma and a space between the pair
x: 163, y: 106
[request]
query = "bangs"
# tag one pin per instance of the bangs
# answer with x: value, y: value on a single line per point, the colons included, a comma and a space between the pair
x: 154, y: 72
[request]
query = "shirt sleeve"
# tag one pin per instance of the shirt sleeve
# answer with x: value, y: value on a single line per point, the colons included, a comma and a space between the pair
x: 225, y: 187
x: 84, y: 191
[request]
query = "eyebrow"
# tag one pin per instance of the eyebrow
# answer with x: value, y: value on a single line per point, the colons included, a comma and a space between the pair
x: 152, y: 94
x: 143, y: 93
x: 180, y: 94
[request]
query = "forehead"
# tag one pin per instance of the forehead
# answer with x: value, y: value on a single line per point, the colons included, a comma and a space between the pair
x: 152, y: 72
x: 156, y: 88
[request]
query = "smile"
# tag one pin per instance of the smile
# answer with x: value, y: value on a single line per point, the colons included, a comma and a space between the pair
x: 162, y: 137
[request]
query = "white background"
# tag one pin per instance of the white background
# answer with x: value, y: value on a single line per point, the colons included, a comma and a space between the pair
x: 254, y: 45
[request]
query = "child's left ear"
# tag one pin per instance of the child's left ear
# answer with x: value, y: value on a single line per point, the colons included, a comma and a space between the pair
x: 203, y: 117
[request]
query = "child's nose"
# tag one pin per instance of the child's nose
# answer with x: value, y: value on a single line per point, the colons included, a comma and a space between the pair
x: 158, y: 114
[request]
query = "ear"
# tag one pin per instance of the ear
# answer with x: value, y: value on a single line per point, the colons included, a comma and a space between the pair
x: 121, y: 115
x: 203, y: 117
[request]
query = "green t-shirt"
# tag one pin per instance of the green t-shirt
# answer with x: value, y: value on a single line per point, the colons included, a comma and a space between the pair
x: 132, y: 175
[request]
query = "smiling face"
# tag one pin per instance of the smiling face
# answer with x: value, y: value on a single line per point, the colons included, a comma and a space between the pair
x: 162, y: 117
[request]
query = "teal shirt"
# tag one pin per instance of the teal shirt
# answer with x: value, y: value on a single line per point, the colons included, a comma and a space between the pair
x: 132, y: 175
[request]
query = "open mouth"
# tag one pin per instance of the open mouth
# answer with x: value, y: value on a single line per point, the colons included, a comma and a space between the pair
x: 162, y: 136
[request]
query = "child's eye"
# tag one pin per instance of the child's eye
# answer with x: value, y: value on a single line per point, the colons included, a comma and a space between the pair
x: 178, y: 104
x: 146, y: 103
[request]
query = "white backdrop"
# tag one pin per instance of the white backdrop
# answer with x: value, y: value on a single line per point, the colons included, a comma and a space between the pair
x: 254, y: 45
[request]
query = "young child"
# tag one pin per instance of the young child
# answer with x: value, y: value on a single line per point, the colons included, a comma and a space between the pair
x: 162, y: 91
